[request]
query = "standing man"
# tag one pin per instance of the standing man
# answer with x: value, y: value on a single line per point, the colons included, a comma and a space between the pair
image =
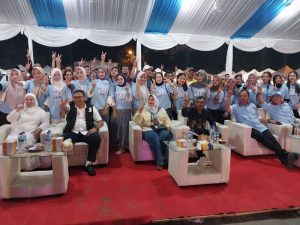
x: 81, y: 117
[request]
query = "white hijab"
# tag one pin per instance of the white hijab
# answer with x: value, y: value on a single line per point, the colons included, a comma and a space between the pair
x: 34, y: 108
x: 58, y: 85
x: 154, y: 109
x: 84, y: 73
x: 143, y: 88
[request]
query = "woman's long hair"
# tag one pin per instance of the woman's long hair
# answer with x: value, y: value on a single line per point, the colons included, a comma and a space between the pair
x: 297, y: 86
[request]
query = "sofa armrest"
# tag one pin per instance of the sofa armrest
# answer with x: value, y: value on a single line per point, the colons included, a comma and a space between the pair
x: 135, y: 137
x: 279, y: 131
x: 224, y: 131
x: 4, y: 131
x: 56, y: 130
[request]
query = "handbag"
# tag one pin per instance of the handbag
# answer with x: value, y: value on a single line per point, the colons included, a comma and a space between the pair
x: 158, y: 128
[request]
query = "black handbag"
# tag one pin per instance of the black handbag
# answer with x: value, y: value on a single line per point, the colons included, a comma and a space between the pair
x: 158, y: 128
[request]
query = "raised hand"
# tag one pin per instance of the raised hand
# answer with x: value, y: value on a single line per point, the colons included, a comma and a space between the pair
x: 82, y: 61
x: 45, y: 80
x: 53, y: 55
x: 109, y: 61
x: 127, y: 87
x: 162, y: 67
x: 259, y: 88
x: 135, y: 63
x: 58, y: 58
x: 103, y: 56
x: 186, y: 102
x: 93, y: 84
x: 152, y: 88
x: 28, y: 55
x: 176, y: 68
x: 63, y: 105
x: 168, y: 81
x: 19, y: 107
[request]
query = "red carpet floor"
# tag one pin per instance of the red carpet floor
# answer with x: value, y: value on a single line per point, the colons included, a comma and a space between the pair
x: 128, y: 193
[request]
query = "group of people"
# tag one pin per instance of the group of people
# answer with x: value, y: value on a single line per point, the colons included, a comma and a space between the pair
x: 89, y: 95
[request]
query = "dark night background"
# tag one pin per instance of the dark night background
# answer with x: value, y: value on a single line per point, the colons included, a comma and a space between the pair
x: 13, y: 51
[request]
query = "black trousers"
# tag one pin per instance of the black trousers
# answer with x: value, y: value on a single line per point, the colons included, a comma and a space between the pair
x: 93, y: 141
x: 296, y: 114
x: 269, y: 141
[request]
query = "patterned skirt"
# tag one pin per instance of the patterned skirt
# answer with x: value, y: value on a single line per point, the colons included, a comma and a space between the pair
x: 123, y: 118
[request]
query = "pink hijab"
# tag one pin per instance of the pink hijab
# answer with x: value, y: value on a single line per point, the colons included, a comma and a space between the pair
x: 15, y: 93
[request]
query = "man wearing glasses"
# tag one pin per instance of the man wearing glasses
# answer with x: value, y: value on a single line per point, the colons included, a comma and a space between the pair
x: 81, y: 119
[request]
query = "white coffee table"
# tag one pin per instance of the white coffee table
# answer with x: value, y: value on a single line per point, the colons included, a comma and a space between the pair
x: 18, y: 184
x: 185, y: 173
x: 295, y: 143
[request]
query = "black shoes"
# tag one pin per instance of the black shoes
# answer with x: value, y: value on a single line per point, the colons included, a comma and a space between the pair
x: 291, y: 158
x: 90, y: 170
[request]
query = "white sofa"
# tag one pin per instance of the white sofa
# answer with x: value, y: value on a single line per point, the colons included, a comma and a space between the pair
x: 139, y: 149
x: 242, y: 143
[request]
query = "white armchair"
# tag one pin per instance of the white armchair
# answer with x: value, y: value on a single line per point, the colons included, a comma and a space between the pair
x: 240, y: 137
x: 288, y: 134
x: 139, y: 149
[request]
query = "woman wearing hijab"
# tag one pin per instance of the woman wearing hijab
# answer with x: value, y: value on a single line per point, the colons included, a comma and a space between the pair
x: 12, y: 94
x: 123, y: 99
x: 147, y: 116
x: 140, y: 91
x: 101, y: 94
x: 58, y: 92
x: 82, y: 83
x: 162, y: 89
x: 38, y: 85
x: 198, y: 88
x: 267, y: 87
x: 32, y: 120
x: 28, y: 118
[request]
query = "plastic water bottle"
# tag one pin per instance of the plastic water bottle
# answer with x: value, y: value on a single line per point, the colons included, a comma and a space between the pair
x: 212, y: 132
x: 190, y: 135
x: 21, y: 142
x: 48, y: 142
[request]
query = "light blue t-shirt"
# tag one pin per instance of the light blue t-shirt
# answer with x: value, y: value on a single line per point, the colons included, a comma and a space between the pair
x: 162, y: 92
x: 4, y: 107
x: 81, y: 85
x: 54, y: 99
x: 282, y: 113
x: 267, y: 91
x: 211, y: 104
x: 180, y: 98
x: 120, y: 98
x: 29, y: 86
x: 103, y: 89
x: 136, y: 102
x: 194, y: 92
x: 232, y: 101
x: 293, y: 96
x: 283, y: 90
x: 248, y: 115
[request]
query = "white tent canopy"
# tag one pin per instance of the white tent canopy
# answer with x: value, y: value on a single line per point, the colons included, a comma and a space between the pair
x: 203, y: 25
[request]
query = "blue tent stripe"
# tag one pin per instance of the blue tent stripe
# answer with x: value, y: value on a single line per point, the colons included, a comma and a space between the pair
x: 49, y: 13
x: 264, y: 15
x: 163, y: 15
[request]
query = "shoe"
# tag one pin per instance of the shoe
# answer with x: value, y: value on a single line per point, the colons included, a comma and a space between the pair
x: 204, y: 161
x: 120, y: 151
x: 159, y: 167
x: 291, y: 158
x: 90, y: 170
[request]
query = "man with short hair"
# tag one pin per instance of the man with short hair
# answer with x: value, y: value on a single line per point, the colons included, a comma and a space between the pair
x: 81, y: 117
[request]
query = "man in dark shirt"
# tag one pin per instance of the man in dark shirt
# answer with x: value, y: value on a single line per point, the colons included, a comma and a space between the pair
x: 197, y: 116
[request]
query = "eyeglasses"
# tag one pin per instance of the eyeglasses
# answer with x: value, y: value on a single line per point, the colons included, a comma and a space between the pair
x: 78, y: 96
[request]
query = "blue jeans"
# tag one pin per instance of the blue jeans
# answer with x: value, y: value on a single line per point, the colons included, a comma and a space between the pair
x: 159, y: 149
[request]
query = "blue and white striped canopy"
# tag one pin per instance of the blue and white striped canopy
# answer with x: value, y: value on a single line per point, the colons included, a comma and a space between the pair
x: 157, y: 24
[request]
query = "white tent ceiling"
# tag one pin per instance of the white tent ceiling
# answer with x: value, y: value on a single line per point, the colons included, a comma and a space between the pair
x: 201, y: 24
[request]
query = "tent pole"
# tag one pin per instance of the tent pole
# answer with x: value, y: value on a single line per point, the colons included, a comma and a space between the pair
x: 30, y: 48
x: 229, y: 58
x: 139, y: 54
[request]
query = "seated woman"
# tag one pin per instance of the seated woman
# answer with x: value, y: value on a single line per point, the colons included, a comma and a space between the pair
x: 246, y: 112
x: 150, y: 115
x: 28, y: 118
x: 31, y: 119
